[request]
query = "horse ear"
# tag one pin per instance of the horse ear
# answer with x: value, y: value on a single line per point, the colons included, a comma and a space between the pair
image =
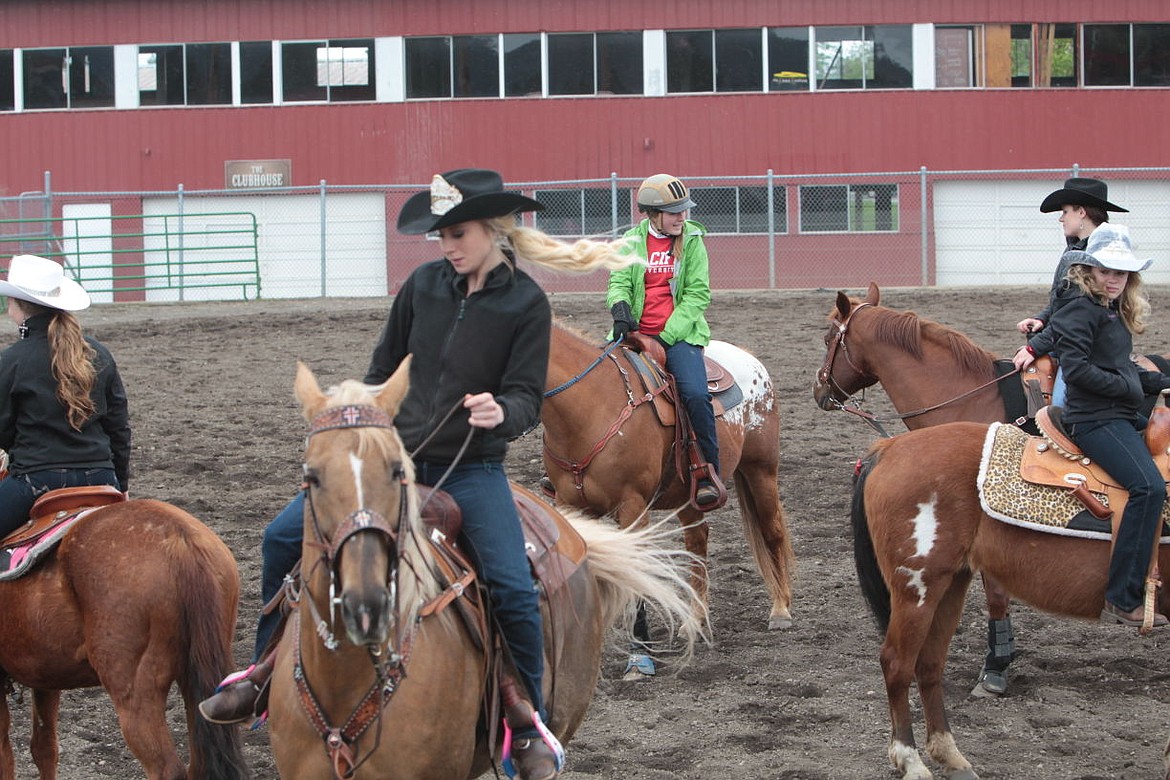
x: 874, y: 295
x: 844, y: 305
x: 307, y: 391
x: 394, y: 389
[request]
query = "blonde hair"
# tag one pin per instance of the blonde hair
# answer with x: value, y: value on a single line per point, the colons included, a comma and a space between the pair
x: 580, y: 256
x: 72, y: 360
x: 1133, y: 305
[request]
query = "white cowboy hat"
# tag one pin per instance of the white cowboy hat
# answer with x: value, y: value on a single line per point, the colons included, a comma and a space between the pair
x: 1109, y: 246
x: 43, y: 281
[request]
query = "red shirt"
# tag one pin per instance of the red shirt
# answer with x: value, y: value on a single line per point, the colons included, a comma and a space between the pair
x: 659, y: 275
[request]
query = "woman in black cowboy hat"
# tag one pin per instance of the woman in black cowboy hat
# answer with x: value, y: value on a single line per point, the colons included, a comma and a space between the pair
x: 63, y: 414
x: 479, y: 328
x: 1083, y: 204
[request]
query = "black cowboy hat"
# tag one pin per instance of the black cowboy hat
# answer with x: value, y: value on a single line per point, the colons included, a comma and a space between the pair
x: 1081, y: 192
x: 458, y: 196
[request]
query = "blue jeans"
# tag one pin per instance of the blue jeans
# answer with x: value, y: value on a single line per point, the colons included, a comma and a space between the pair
x: 1118, y: 447
x: 492, y: 538
x: 1059, y: 388
x: 685, y: 362
x: 19, y: 493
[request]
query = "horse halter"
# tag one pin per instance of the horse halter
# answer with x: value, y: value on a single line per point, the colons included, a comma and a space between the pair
x: 837, y: 344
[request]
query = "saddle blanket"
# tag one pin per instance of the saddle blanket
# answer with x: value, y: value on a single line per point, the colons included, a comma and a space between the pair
x: 17, y: 559
x: 1006, y: 496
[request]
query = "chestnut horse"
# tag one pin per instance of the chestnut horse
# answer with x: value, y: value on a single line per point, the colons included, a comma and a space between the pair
x: 137, y: 595
x: 932, y: 374
x: 919, y: 535
x: 625, y: 459
x: 378, y: 639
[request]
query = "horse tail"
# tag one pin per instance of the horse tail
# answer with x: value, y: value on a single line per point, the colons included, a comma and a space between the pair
x: 869, y: 575
x: 644, y: 565
x: 758, y: 498
x: 209, y: 588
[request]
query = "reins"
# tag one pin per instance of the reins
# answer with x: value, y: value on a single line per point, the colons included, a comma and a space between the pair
x: 852, y: 405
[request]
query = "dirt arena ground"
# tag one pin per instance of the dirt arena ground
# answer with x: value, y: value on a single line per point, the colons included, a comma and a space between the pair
x: 217, y: 432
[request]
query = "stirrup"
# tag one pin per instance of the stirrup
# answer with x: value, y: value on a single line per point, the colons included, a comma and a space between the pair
x: 546, y: 736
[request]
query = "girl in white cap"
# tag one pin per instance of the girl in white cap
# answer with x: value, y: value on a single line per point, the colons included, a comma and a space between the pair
x: 63, y: 413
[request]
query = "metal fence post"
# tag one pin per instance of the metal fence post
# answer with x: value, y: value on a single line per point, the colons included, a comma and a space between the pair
x: 923, y: 228
x: 323, y: 266
x: 771, y: 185
x: 613, y: 209
x: 1076, y: 170
x: 182, y: 233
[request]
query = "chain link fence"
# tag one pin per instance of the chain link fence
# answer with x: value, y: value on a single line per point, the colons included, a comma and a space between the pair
x: 769, y: 231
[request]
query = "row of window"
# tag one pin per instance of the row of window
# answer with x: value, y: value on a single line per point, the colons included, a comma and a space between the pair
x: 774, y: 59
x: 834, y: 208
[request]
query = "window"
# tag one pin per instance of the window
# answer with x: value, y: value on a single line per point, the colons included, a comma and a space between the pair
x: 954, y: 57
x: 583, y: 212
x: 160, y: 75
x: 209, y: 73
x: 78, y: 77
x: 1021, y: 54
x: 522, y: 64
x: 333, y: 71
x: 619, y: 63
x: 848, y: 208
x: 739, y: 60
x: 788, y: 59
x: 690, y: 61
x: 878, y: 57
x: 570, y: 64
x: 476, y: 65
x: 1107, y: 55
x: 7, y: 74
x: 740, y: 209
x: 256, y: 72
x: 1151, y: 55
x: 1056, y: 55
x: 428, y: 67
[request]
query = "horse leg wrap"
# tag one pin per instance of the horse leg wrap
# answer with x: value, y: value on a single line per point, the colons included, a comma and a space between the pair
x: 1001, y: 644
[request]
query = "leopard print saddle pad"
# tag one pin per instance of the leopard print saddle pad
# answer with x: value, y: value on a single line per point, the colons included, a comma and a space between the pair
x: 1025, y: 482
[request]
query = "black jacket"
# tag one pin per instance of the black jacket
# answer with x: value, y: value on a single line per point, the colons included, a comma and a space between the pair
x: 1094, y: 348
x: 495, y: 340
x: 34, y: 427
x: 1061, y: 292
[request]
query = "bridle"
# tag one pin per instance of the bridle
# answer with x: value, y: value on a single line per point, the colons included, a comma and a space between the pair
x: 389, y: 668
x: 853, y: 405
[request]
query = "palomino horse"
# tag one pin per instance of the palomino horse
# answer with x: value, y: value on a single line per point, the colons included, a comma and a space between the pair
x: 919, y: 534
x: 380, y: 675
x: 136, y: 596
x: 624, y: 462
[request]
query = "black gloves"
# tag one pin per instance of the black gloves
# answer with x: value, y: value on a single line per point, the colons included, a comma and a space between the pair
x: 623, y: 319
x: 1153, y: 382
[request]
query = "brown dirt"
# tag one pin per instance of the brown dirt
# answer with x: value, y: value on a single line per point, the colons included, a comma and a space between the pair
x: 217, y: 433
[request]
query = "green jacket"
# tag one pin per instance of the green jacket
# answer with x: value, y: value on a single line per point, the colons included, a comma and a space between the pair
x: 691, y: 286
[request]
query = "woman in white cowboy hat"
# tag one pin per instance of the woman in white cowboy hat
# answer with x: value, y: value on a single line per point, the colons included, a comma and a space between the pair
x: 479, y: 328
x: 1094, y: 337
x: 63, y: 413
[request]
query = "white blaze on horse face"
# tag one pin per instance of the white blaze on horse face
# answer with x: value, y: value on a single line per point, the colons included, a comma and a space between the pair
x: 355, y: 463
x: 753, y: 380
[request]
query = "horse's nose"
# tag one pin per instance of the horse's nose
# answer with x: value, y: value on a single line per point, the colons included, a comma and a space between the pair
x: 367, y: 617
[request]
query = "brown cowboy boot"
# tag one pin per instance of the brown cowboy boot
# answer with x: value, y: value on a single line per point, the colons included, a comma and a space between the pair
x: 707, y: 494
x: 240, y: 696
x: 533, y: 753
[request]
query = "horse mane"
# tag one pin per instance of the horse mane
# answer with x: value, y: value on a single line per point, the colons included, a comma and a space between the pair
x: 907, y: 331
x: 417, y: 582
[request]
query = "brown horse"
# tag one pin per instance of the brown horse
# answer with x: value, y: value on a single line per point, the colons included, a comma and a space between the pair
x: 932, y: 374
x: 138, y: 595
x: 919, y: 534
x: 379, y: 676
x: 625, y: 461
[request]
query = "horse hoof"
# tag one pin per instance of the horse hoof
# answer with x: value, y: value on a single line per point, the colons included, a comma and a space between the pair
x: 639, y: 667
x: 779, y: 622
x: 991, y: 685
